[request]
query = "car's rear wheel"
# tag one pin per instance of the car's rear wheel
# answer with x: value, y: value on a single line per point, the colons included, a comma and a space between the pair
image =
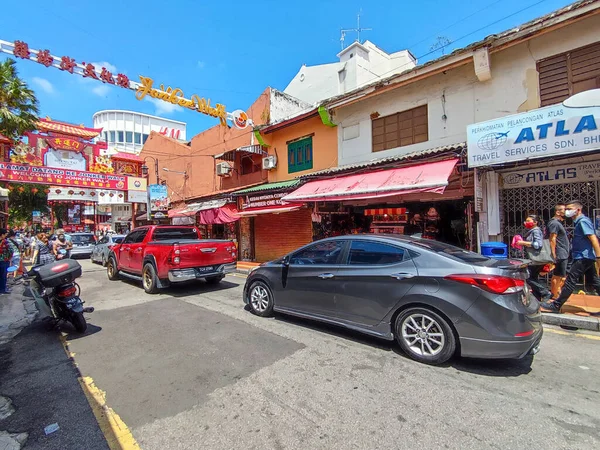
x: 111, y: 269
x: 425, y: 336
x: 260, y: 299
x: 149, y: 279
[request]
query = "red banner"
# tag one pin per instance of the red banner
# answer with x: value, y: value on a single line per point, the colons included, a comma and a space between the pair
x: 65, y: 143
x: 19, y: 173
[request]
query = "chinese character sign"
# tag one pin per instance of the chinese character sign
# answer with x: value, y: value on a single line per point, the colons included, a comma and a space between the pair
x: 158, y: 201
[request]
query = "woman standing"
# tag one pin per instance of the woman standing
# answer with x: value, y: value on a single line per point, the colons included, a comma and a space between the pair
x: 534, y: 238
x: 43, y: 251
x: 6, y: 253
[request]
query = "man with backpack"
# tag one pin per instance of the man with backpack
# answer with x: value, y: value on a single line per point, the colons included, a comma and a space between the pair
x: 559, y: 243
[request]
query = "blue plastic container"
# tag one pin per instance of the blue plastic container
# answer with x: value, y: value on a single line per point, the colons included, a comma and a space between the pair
x: 497, y: 250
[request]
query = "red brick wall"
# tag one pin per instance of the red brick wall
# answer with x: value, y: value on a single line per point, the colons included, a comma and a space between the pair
x: 278, y: 234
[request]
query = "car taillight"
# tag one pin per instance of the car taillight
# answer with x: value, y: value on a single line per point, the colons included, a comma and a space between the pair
x: 176, y: 252
x: 68, y: 292
x: 491, y: 283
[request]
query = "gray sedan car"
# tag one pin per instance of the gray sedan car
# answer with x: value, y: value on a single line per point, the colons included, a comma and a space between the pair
x: 434, y: 299
x: 83, y: 244
x: 102, y: 249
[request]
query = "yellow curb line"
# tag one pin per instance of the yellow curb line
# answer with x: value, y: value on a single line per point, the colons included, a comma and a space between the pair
x: 116, y: 432
x: 571, y: 333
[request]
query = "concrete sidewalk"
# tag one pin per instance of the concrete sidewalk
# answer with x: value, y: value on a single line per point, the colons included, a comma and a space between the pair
x: 17, y: 310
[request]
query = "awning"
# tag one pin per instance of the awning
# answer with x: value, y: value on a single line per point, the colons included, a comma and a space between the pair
x: 430, y: 177
x: 225, y: 214
x: 270, y: 210
x: 193, y: 208
x: 255, y: 149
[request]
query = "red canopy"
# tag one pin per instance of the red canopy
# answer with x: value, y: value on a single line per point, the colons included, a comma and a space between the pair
x: 430, y: 177
x: 68, y: 128
x: 224, y: 214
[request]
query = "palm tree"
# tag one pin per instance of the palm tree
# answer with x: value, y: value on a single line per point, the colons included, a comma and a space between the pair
x: 18, y: 105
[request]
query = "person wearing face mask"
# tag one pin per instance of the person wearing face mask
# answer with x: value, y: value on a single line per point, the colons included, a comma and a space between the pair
x: 534, y: 238
x: 559, y: 243
x: 61, y: 245
x: 586, y: 251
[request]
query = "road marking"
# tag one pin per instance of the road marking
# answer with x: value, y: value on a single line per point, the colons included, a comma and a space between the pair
x: 570, y: 333
x: 117, y: 434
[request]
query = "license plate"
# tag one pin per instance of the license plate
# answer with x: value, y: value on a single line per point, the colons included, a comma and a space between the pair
x: 205, y: 269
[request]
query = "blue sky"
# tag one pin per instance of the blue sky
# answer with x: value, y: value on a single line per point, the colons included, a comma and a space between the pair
x: 225, y: 51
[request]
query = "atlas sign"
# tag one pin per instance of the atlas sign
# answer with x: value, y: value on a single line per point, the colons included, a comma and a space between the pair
x: 554, y: 130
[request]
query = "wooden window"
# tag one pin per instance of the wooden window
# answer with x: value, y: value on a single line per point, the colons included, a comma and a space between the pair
x: 400, y: 129
x: 300, y: 155
x: 569, y: 73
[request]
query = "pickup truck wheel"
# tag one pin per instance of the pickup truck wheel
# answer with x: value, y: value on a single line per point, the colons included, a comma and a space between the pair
x: 149, y: 279
x: 215, y: 280
x: 111, y: 269
x: 260, y: 299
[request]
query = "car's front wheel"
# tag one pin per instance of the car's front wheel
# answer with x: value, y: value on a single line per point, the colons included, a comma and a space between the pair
x: 260, y: 299
x: 425, y: 336
x: 111, y: 269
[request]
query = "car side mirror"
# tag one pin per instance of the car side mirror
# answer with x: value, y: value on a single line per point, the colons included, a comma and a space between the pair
x: 286, y: 260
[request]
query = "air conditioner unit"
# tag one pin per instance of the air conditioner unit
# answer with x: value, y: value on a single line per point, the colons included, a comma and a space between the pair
x: 270, y: 162
x: 223, y: 169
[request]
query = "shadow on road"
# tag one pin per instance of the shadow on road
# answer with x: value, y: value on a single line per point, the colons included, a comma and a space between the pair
x: 491, y: 368
x: 72, y: 334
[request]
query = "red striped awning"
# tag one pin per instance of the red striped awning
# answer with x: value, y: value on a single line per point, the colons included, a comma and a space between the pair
x: 382, y: 211
x: 67, y: 128
x: 126, y: 157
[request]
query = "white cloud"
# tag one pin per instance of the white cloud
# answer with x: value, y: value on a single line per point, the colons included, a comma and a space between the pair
x: 201, y: 64
x: 162, y: 107
x: 43, y: 84
x: 101, y: 90
x: 109, y: 67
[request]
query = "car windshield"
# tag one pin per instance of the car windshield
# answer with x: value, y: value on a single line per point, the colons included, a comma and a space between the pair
x: 82, y: 238
x: 452, y: 252
x: 164, y: 234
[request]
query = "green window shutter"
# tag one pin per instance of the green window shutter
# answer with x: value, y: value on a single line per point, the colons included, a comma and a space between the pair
x: 300, y: 155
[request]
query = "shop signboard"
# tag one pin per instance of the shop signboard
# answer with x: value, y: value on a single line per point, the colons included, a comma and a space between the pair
x: 567, y: 173
x: 106, y: 197
x: 65, y: 160
x: 24, y: 173
x: 550, y: 131
x: 36, y: 216
x: 158, y: 202
x: 65, y: 144
x: 72, y: 194
x: 261, y: 201
x: 137, y: 197
x: 137, y: 184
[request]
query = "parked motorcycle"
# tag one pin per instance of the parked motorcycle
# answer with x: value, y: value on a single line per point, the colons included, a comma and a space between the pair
x: 55, y: 283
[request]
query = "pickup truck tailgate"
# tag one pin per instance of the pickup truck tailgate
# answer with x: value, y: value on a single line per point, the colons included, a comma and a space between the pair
x: 206, y: 253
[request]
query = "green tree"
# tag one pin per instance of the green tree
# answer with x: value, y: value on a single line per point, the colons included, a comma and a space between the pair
x: 23, y: 199
x: 18, y: 104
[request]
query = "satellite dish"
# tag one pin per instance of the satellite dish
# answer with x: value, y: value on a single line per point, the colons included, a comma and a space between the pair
x: 585, y: 99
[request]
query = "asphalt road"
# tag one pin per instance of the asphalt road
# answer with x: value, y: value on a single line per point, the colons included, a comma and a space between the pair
x: 191, y: 368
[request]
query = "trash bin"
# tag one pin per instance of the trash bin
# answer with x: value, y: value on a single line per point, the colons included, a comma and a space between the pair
x: 497, y: 250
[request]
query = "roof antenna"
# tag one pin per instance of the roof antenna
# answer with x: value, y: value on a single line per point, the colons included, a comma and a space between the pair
x: 358, y: 29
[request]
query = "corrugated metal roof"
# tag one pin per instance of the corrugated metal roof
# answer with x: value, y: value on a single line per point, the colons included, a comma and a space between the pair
x: 269, y: 187
x: 458, y: 148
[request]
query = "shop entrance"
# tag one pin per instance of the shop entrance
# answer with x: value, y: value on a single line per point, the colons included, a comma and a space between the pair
x: 517, y: 203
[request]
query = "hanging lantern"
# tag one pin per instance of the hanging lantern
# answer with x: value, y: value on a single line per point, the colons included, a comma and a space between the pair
x: 11, y: 187
x: 71, y: 192
x: 21, y: 189
x: 120, y: 195
x: 82, y: 193
x: 102, y: 194
x: 35, y: 190
x: 47, y: 191
x: 93, y: 194
x: 58, y: 191
x: 111, y: 195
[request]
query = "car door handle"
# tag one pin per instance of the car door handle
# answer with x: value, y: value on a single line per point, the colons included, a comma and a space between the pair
x: 325, y: 276
x: 138, y: 250
x: 402, y: 276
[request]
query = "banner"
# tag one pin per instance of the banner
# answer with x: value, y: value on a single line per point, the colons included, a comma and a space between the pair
x: 19, y: 173
x: 550, y: 131
x: 36, y: 216
x: 541, y: 176
x: 158, y: 201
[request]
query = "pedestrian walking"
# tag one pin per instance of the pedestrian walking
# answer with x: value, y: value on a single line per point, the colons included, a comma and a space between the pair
x: 15, y: 261
x: 6, y: 253
x: 534, y: 239
x: 43, y: 251
x: 586, y: 251
x: 560, y: 246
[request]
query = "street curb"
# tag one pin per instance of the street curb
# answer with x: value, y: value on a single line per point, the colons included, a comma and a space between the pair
x: 569, y: 320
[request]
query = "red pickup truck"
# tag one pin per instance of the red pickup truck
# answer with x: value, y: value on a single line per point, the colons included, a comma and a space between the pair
x: 159, y: 255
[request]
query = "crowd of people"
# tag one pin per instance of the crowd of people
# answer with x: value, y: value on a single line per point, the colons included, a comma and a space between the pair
x: 583, y: 251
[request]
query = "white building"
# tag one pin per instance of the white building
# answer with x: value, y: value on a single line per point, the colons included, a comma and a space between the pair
x: 127, y: 131
x: 358, y: 65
